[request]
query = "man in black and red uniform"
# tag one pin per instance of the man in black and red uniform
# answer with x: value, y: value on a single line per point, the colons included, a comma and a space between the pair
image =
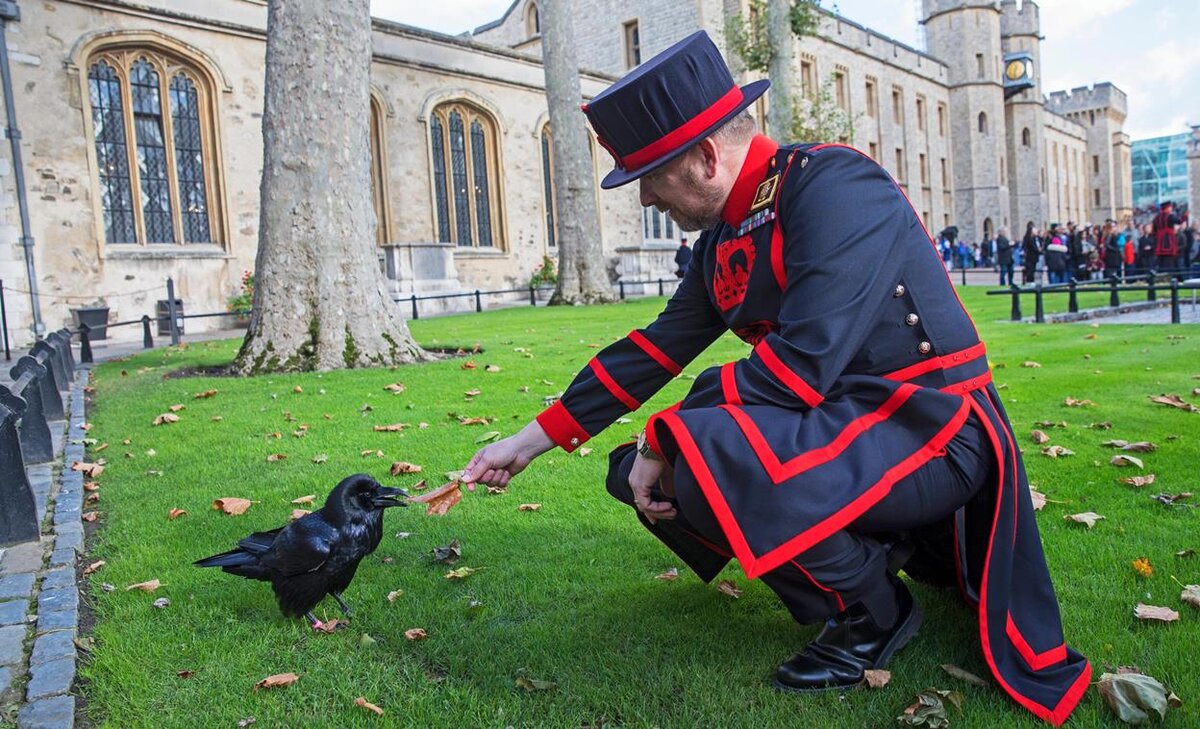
x: 860, y: 433
x: 1166, y: 241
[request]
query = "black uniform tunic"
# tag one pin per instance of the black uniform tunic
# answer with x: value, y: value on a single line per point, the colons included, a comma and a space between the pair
x: 864, y: 364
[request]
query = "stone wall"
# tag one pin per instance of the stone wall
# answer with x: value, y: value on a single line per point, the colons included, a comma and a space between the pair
x: 1066, y: 146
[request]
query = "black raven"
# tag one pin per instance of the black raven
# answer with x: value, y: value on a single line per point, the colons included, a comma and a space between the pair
x: 317, y: 554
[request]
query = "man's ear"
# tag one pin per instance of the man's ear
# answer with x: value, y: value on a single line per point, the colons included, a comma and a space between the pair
x: 710, y: 157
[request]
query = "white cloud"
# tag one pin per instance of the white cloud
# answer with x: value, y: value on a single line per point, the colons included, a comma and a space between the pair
x: 453, y: 16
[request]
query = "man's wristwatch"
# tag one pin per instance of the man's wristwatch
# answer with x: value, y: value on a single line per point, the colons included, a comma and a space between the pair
x: 644, y: 448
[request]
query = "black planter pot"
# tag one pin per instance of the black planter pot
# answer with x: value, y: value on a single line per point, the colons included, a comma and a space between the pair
x: 97, y: 320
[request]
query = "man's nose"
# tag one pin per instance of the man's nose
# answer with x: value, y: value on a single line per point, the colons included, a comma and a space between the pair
x: 647, y: 197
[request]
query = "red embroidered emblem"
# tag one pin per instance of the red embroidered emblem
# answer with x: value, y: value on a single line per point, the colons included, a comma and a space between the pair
x: 756, y: 332
x: 731, y: 278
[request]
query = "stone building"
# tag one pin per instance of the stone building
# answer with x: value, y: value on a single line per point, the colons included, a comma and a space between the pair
x: 142, y: 146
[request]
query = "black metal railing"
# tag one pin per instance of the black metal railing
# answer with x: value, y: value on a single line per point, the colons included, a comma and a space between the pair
x: 1152, y: 285
x: 27, y: 407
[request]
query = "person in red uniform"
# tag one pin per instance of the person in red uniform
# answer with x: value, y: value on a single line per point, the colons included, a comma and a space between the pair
x: 859, y: 435
x: 1166, y: 241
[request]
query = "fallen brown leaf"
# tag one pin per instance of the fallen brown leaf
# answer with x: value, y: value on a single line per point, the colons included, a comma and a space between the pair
x: 1088, y: 517
x: 534, y: 684
x: 1030, y: 364
x: 166, y: 418
x: 1191, y: 595
x: 93, y: 567
x: 419, y: 485
x: 205, y: 395
x: 1038, y: 498
x: 1073, y: 403
x: 305, y: 500
x: 393, y: 428
x: 1039, y: 437
x: 176, y: 408
x: 90, y: 516
x: 185, y: 673
x: 362, y: 701
x: 396, y: 388
x: 876, y: 678
x: 669, y: 575
x: 276, y: 457
x: 726, y: 587
x: 491, y: 368
x: 1174, y: 401
x: 91, y: 486
x: 1120, y: 460
x: 329, y: 627
x: 174, y: 514
x: 416, y: 634
x: 400, y: 467
x: 277, y: 680
x: 1132, y: 696
x: 440, y: 500
x: 148, y: 586
x: 473, y: 392
x: 1057, y: 451
x: 1172, y: 499
x: 461, y: 573
x: 91, y: 470
x: 964, y: 675
x: 1154, y: 612
x: 299, y: 514
x: 1103, y: 425
x: 529, y: 507
x: 469, y: 365
x: 232, y: 505
x: 1139, y: 481
x: 391, y: 596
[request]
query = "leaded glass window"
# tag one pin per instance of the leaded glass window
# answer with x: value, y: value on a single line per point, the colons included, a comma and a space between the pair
x: 152, y: 123
x: 463, y: 141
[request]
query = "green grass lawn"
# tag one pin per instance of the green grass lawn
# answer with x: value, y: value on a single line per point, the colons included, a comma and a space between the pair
x: 569, y: 592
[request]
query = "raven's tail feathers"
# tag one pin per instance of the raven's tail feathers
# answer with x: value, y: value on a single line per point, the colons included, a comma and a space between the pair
x: 236, y: 562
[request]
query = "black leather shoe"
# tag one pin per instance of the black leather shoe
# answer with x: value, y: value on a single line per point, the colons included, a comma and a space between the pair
x: 847, y: 646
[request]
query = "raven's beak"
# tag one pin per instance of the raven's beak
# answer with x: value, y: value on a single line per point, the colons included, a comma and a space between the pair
x: 387, y: 497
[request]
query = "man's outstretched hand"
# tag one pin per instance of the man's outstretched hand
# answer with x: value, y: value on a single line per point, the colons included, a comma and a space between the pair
x: 645, y: 474
x: 496, y: 463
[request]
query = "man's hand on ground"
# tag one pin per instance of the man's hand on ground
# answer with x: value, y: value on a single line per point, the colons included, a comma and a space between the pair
x: 495, y: 464
x: 645, y: 474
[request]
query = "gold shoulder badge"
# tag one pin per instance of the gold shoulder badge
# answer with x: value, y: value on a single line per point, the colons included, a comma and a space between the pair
x: 765, y: 194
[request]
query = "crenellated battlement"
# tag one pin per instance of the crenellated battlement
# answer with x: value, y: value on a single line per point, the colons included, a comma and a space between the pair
x: 1025, y: 20
x: 1082, y: 98
x: 931, y: 8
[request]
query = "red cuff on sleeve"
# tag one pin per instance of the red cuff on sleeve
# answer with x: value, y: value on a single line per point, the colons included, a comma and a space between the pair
x: 652, y: 430
x: 562, y: 428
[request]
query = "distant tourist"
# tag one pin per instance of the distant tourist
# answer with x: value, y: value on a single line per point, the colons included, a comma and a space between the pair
x: 1004, y: 257
x: 1166, y: 242
x: 1031, y: 251
x: 683, y: 257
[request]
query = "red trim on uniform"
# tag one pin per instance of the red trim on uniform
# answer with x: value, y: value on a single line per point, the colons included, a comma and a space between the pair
x: 962, y: 388
x: 683, y: 133
x: 1036, y: 661
x: 729, y: 384
x: 837, y: 595
x: 793, y: 381
x: 562, y: 427
x: 1058, y: 714
x: 780, y: 472
x: 611, y: 385
x: 652, y: 430
x: 754, y: 566
x: 777, y: 264
x: 655, y: 353
x: 944, y: 362
x: 753, y: 173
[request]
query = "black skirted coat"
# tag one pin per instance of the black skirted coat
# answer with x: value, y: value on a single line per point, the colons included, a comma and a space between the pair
x: 863, y: 365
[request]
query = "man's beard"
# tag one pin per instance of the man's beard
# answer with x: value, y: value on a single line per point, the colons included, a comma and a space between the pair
x: 707, y: 212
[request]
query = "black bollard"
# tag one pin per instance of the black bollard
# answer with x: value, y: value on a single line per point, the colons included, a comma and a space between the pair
x: 1175, y: 301
x: 478, y: 302
x: 172, y: 312
x: 621, y: 288
x: 1016, y: 302
x: 48, y: 356
x: 414, y: 307
x: 1039, y: 312
x: 85, y: 344
x: 37, y: 445
x: 532, y: 298
x: 1151, y: 289
x: 68, y: 353
x: 61, y: 347
x: 52, y: 404
x: 147, y: 337
x: 18, y: 510
x: 1072, y: 298
x: 1114, y: 298
x: 660, y: 288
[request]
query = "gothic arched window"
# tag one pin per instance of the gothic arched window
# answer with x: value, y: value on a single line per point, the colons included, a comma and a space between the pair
x: 533, y: 21
x: 465, y: 180
x: 983, y: 122
x: 379, y: 179
x: 1025, y: 136
x: 152, y: 126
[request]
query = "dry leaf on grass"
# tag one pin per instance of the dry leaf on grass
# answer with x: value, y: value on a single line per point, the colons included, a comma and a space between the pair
x: 90, y: 516
x: 929, y: 710
x: 473, y: 421
x: 491, y: 368
x: 876, y: 678
x: 726, y: 587
x: 1039, y: 437
x: 1139, y: 447
x: 393, y: 428
x: 1057, y: 451
x: 166, y: 418
x: 488, y: 437
x: 298, y: 514
x: 1088, y: 517
x: 529, y: 507
x: 1141, y: 565
x: 448, y: 554
x: 395, y: 388
x: 148, y: 586
x: 174, y: 514
x: 217, y: 418
x: 1172, y: 499
x: 90, y: 470
x: 320, y: 458
x: 1154, y: 612
x: 391, y: 596
x: 1052, y: 423
x: 1132, y: 696
x: 329, y: 627
x: 1103, y: 425
x: 400, y: 467
x: 1038, y: 498
x: 297, y: 389
x: 1174, y: 401
x: 305, y: 500
x: 416, y: 634
x: 176, y: 408
x: 91, y: 486
x: 1126, y: 461
x: 185, y: 673
x: 473, y: 392
x: 669, y: 575
x: 93, y: 567
x: 277, y: 680
x: 461, y: 573
x: 362, y: 701
x: 468, y: 365
x: 440, y: 500
x: 205, y: 395
x: 1191, y: 595
x: 1073, y: 403
x: 1030, y: 364
x: 1186, y: 553
x: 161, y: 603
x: 1139, y: 481
x: 232, y: 505
x: 370, y: 452
x: 276, y: 457
x: 964, y: 675
x: 534, y: 684
x: 584, y: 451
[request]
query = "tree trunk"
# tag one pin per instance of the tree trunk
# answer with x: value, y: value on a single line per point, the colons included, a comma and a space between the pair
x: 782, y: 69
x: 582, y: 274
x: 320, y: 301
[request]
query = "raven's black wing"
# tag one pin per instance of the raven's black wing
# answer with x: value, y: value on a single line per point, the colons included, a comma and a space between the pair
x: 302, y: 546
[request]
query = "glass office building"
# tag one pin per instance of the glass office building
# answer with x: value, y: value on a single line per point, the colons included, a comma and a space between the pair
x: 1160, y: 171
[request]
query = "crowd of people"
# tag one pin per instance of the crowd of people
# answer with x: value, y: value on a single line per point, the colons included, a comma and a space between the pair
x: 1165, y: 241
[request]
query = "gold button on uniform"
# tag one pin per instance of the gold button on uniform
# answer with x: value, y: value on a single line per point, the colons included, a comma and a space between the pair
x: 912, y: 320
x: 924, y: 347
x: 899, y: 291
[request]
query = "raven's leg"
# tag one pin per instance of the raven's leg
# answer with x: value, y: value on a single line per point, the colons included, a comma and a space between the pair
x: 341, y: 603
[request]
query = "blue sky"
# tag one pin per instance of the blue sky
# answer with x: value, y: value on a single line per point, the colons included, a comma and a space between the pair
x: 1142, y: 46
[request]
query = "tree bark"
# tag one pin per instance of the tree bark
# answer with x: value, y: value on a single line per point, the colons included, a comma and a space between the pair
x: 320, y: 301
x: 781, y: 97
x: 582, y: 274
